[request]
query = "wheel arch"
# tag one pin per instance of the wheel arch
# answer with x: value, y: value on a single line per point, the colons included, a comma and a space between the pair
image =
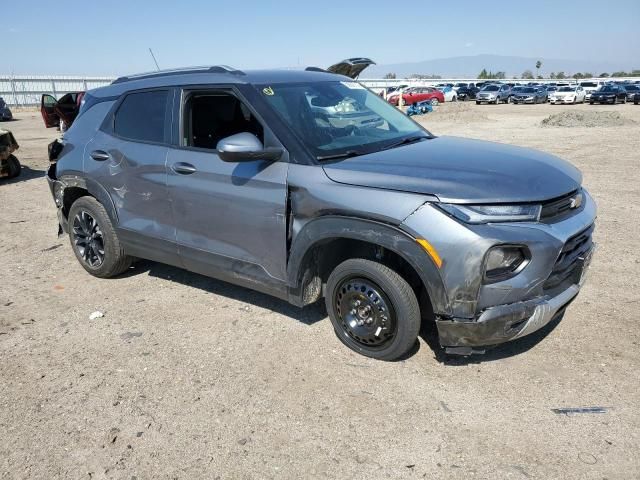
x: 324, y: 242
x: 75, y: 187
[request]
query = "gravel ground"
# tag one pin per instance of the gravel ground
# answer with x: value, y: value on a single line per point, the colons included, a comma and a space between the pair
x: 187, y: 377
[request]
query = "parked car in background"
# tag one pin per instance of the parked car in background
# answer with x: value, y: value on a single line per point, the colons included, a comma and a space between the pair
x: 609, y: 94
x: 494, y: 94
x: 550, y: 90
x: 589, y: 87
x: 631, y: 90
x: 467, y: 93
x: 529, y: 95
x: 60, y: 113
x: 636, y: 99
x: 450, y: 95
x: 460, y: 85
x: 417, y: 94
x: 5, y: 112
x: 231, y: 175
x: 571, y: 95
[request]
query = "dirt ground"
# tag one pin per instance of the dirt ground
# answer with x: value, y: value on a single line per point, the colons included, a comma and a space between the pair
x: 187, y: 377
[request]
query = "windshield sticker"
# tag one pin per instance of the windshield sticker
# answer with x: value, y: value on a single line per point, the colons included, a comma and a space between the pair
x: 353, y: 85
x: 268, y: 91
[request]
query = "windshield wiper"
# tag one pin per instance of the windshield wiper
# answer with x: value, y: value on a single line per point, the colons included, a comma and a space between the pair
x: 347, y: 154
x: 406, y: 141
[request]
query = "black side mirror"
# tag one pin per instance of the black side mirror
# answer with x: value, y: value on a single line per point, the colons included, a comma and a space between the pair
x: 245, y: 147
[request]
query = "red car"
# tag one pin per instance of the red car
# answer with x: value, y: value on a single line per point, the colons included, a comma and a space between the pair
x: 60, y: 113
x: 418, y: 94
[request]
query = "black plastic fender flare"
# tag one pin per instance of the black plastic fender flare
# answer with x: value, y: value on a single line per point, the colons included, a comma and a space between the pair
x: 387, y: 236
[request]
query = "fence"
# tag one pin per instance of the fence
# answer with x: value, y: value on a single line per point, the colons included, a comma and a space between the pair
x: 25, y: 91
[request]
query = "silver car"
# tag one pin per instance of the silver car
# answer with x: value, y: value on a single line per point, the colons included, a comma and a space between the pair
x: 494, y: 94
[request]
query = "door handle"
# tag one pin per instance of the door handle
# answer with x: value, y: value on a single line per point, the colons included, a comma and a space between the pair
x: 183, y: 168
x: 100, y: 155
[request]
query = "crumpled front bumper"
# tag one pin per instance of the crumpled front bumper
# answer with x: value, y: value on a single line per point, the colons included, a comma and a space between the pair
x: 504, y: 322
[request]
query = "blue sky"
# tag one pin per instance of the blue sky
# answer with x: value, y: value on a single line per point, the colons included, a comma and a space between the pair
x: 112, y: 37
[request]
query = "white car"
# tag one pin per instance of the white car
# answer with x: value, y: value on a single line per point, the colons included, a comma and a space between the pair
x: 573, y: 94
x: 450, y: 95
x: 590, y: 87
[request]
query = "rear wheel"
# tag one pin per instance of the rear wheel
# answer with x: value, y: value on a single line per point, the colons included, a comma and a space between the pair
x: 14, y: 166
x: 94, y: 239
x: 374, y: 311
x: 434, y: 102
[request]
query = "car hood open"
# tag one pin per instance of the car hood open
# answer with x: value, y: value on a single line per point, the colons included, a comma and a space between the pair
x: 459, y: 170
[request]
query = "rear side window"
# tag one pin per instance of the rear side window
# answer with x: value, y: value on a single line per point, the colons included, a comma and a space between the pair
x: 141, y: 116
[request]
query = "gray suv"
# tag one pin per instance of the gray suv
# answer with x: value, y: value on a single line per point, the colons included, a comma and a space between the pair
x: 305, y: 185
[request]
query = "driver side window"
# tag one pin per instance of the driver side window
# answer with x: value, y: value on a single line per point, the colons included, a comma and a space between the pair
x: 211, y: 116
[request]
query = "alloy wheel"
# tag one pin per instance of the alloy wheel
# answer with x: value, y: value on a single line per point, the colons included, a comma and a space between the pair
x: 88, y: 239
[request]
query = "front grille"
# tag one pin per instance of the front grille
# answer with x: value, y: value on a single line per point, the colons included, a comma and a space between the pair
x: 568, y: 266
x: 559, y: 208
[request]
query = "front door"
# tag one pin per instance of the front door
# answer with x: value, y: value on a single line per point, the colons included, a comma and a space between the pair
x: 230, y: 217
x: 47, y: 109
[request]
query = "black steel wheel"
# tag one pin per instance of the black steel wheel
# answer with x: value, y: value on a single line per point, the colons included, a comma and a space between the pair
x: 365, y: 312
x: 94, y: 240
x: 374, y: 311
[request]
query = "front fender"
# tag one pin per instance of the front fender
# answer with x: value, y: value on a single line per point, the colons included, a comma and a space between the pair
x: 387, y: 236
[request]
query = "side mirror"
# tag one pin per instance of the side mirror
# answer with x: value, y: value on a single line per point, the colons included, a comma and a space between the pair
x: 245, y: 147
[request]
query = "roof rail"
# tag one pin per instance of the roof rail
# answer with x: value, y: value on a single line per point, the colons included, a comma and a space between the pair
x: 315, y: 69
x: 179, y: 71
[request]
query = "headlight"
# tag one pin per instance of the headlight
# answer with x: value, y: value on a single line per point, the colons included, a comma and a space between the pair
x: 505, y: 261
x: 493, y: 213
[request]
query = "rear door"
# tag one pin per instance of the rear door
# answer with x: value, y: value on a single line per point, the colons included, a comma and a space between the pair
x: 47, y: 109
x: 127, y: 156
x: 68, y: 106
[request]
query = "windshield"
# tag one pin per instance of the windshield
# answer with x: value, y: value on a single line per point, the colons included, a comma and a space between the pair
x: 632, y: 88
x: 609, y: 89
x: 588, y: 84
x: 491, y: 88
x: 339, y: 118
x: 566, y: 89
x: 528, y: 90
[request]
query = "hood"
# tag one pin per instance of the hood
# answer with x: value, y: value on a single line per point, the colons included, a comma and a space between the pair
x: 351, y: 67
x: 459, y: 170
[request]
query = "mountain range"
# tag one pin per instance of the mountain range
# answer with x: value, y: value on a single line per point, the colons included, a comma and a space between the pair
x: 469, y: 67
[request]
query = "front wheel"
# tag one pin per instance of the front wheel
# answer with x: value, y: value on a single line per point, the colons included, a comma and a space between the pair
x: 94, y: 239
x: 373, y: 310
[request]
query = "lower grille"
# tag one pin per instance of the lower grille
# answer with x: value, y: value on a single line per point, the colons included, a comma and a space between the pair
x: 568, y: 266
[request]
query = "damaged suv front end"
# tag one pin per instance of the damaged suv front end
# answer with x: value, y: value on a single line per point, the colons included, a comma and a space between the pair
x: 508, y: 269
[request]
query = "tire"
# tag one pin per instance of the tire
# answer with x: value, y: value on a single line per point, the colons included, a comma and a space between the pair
x: 89, y: 219
x: 477, y: 102
x: 14, y: 166
x: 590, y: 102
x: 359, y: 285
x: 455, y: 98
x: 508, y: 102
x: 635, y: 102
x: 434, y: 102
